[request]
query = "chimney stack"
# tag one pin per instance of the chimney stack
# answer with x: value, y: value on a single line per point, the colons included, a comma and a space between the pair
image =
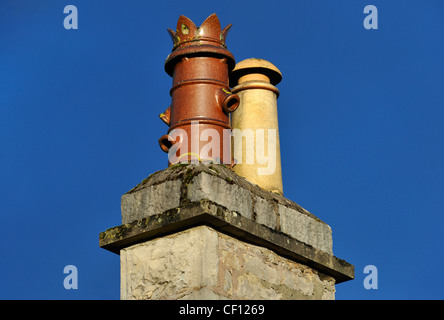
x: 202, y: 230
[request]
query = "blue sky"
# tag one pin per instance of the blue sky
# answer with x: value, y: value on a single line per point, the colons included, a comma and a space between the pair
x: 361, y: 126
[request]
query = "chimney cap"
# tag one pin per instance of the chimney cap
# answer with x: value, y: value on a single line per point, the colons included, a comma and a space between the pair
x: 191, y: 41
x: 188, y: 34
x: 255, y: 65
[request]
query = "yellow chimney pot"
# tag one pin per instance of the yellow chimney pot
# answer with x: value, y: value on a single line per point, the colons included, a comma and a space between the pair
x: 254, y: 81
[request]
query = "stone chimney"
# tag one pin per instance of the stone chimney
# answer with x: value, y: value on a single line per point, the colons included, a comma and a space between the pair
x: 198, y: 230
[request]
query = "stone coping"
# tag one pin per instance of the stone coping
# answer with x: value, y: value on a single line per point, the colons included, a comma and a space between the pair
x: 186, y: 173
x: 206, y: 212
x: 182, y: 184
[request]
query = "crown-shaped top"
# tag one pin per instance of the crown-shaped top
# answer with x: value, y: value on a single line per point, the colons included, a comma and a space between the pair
x: 187, y: 32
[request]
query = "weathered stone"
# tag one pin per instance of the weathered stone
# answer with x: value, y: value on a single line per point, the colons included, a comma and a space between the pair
x: 231, y: 196
x: 305, y: 229
x: 165, y: 268
x: 265, y: 212
x: 182, y: 184
x: 208, y: 213
x: 202, y: 232
x: 150, y: 200
x: 215, y: 266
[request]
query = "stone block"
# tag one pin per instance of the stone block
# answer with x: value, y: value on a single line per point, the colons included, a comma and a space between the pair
x: 150, y: 200
x: 170, y: 267
x: 265, y: 212
x: 306, y: 229
x: 213, y: 188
